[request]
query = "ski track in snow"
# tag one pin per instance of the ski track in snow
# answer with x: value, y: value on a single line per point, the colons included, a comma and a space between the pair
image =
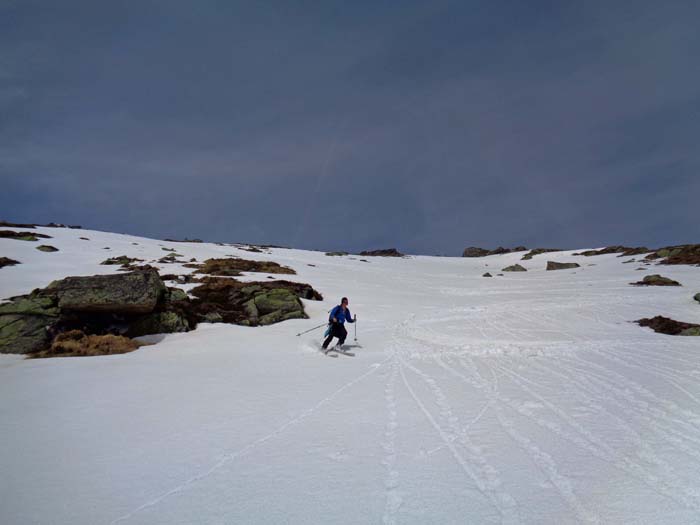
x: 471, y: 460
x: 239, y: 453
x: 393, y: 496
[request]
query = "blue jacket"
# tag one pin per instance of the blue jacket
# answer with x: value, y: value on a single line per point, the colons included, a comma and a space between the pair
x: 341, y: 316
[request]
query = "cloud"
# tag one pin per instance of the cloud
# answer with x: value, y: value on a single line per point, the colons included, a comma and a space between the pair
x: 425, y: 127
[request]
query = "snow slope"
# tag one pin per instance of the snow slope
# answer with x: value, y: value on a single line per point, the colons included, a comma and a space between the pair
x: 527, y: 398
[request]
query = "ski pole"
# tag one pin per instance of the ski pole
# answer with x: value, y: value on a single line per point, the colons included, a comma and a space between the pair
x: 311, y: 329
x: 355, y: 329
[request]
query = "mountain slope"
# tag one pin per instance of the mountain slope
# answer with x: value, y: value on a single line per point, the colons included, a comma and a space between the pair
x: 524, y: 398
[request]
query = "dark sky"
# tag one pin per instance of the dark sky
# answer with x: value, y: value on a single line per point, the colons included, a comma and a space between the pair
x: 425, y: 126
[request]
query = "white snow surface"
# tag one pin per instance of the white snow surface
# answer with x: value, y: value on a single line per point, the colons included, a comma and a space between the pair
x: 526, y: 398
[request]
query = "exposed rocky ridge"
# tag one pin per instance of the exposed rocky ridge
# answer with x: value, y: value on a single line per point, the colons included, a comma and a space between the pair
x: 681, y: 254
x: 664, y: 325
x: 23, y: 236
x: 6, y: 224
x: 474, y: 251
x: 553, y: 265
x: 184, y: 240
x: 656, y: 280
x: 624, y: 251
x: 388, y: 252
x: 537, y: 251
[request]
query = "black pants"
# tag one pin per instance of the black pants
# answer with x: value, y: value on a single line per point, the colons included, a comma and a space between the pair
x: 337, y: 330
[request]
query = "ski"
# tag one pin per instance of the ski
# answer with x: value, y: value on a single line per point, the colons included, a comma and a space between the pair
x: 343, y: 352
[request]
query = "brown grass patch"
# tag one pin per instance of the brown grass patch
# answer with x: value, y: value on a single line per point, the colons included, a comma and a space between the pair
x: 75, y: 343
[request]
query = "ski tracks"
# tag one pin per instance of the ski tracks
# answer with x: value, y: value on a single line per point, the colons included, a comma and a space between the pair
x: 391, y: 484
x: 467, y: 455
x: 227, y: 457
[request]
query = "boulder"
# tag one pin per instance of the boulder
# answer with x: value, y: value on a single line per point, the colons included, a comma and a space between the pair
x: 249, y: 304
x: 487, y: 274
x: 129, y: 293
x: 697, y: 297
x: 514, y: 268
x: 6, y: 261
x: 47, y: 248
x: 273, y: 306
x: 25, y: 323
x: 664, y: 325
x: 552, y: 265
x: 656, y: 280
x: 21, y: 334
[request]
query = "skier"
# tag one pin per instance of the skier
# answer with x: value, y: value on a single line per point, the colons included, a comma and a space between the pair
x: 336, y: 322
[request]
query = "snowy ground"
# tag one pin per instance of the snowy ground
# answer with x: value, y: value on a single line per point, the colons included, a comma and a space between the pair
x: 527, y: 398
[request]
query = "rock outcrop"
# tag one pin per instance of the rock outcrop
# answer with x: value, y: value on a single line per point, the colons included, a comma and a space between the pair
x: 249, y: 304
x: 232, y: 267
x: 697, y: 297
x: 24, y: 323
x: 138, y: 303
x: 656, y: 280
x: 47, y: 248
x: 388, y: 252
x: 624, y: 251
x: 6, y: 261
x: 487, y: 274
x: 682, y: 254
x: 121, y: 259
x: 537, y: 251
x: 474, y: 251
x: 553, y: 265
x: 664, y: 325
x: 23, y: 236
x: 514, y: 268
